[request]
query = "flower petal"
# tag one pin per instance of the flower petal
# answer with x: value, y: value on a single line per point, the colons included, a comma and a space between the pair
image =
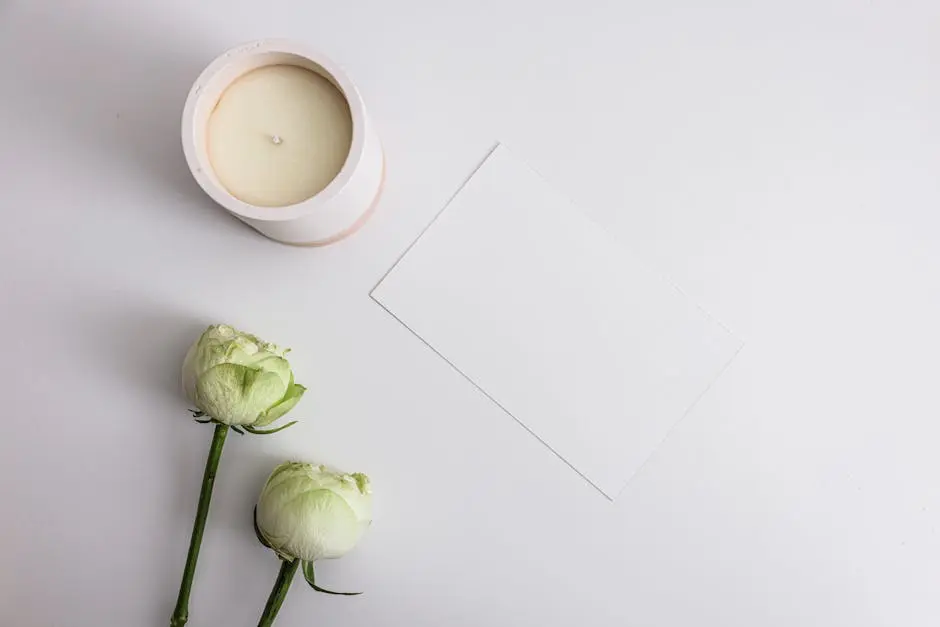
x: 293, y: 396
x: 236, y: 395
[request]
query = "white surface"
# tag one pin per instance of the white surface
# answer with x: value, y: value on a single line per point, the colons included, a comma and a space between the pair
x: 778, y: 160
x: 278, y: 135
x: 535, y: 304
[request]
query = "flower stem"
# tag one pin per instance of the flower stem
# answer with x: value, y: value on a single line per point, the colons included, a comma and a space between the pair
x: 284, y: 578
x: 181, y: 613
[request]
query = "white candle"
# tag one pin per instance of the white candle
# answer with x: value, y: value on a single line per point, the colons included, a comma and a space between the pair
x: 278, y: 135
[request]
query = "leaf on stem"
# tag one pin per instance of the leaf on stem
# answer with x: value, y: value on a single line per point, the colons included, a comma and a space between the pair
x: 251, y: 429
x: 309, y: 576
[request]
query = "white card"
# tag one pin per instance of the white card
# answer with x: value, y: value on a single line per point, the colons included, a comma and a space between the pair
x: 540, y: 309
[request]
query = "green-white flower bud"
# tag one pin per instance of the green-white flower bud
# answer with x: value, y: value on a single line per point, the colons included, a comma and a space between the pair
x: 238, y: 379
x: 310, y: 512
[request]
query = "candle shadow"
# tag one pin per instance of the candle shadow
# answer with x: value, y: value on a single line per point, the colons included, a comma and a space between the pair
x: 115, y: 90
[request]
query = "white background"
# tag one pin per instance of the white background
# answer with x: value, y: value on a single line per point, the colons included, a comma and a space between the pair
x: 595, y: 355
x: 778, y: 160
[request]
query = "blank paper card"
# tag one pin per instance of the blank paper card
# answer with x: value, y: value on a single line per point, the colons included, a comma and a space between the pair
x: 537, y: 306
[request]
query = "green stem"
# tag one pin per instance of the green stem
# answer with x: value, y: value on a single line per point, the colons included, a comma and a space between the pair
x: 181, y: 613
x: 279, y: 592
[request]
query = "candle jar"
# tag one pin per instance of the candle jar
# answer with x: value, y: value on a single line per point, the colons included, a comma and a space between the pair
x: 329, y: 214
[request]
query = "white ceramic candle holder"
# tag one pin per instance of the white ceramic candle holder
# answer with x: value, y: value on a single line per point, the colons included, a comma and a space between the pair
x: 328, y: 216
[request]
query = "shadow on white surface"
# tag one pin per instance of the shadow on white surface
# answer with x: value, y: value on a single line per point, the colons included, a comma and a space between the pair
x: 140, y: 345
x: 108, y: 94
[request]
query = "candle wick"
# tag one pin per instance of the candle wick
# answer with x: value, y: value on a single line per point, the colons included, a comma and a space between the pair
x: 276, y: 139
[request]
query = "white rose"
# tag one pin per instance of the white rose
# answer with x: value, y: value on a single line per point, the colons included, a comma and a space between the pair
x: 310, y: 512
x: 238, y: 379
